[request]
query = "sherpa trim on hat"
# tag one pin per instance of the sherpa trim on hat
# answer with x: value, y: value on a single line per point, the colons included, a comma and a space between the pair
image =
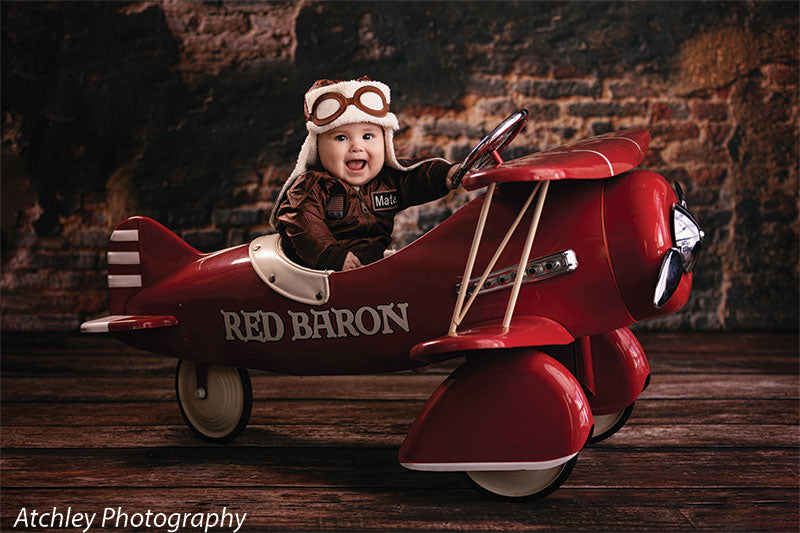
x: 352, y: 114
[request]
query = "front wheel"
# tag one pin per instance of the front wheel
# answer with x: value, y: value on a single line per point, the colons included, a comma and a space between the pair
x: 607, y: 425
x: 219, y: 411
x: 521, y: 485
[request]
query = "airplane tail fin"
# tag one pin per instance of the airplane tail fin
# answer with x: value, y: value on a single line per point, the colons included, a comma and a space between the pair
x: 140, y: 252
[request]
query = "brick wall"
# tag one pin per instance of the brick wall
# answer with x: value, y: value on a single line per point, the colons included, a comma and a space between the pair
x: 191, y: 113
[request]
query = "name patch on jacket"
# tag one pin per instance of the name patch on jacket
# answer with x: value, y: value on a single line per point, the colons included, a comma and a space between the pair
x: 384, y: 200
x: 335, y: 206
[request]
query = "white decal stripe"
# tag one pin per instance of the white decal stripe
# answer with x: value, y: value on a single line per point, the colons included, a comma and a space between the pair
x: 123, y: 258
x: 119, y: 281
x: 468, y: 467
x: 631, y: 140
x: 125, y: 235
x: 601, y: 155
x: 100, y: 325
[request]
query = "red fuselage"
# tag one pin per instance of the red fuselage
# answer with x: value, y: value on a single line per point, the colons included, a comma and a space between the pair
x: 619, y: 229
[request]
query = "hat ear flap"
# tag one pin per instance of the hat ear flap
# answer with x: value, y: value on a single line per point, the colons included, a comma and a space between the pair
x: 308, y: 157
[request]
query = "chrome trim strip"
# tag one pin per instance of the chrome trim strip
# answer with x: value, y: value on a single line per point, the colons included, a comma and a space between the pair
x: 536, y: 270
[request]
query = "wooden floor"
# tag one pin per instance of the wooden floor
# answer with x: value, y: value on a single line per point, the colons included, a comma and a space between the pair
x: 88, y: 423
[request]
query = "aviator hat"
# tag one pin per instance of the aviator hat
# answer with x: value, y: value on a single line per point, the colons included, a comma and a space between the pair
x: 329, y: 104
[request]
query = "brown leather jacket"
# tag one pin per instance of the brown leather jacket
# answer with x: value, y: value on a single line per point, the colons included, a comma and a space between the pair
x: 324, y: 217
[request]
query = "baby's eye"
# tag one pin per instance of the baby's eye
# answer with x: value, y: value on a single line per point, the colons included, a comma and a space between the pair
x: 368, y: 136
x: 341, y: 137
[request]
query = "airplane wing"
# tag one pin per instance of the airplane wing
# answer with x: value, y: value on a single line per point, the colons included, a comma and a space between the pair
x: 114, y: 323
x: 523, y: 331
x: 594, y: 158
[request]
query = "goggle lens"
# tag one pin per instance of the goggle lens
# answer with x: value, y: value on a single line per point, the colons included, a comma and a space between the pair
x: 372, y: 101
x: 327, y: 108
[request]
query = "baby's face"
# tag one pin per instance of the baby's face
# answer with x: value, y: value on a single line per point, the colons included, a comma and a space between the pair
x: 354, y: 153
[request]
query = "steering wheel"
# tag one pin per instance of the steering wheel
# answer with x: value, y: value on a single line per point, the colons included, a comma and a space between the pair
x: 481, y: 156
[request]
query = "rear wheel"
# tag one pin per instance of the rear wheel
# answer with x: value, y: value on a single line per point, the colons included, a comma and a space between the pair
x: 607, y: 425
x: 219, y: 411
x: 521, y: 485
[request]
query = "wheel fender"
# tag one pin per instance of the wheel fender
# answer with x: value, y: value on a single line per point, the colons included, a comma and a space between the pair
x: 621, y: 370
x: 510, y: 406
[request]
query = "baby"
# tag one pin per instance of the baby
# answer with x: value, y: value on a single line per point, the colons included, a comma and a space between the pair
x: 336, y: 211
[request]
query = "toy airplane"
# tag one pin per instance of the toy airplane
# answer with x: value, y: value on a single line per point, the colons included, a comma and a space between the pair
x: 535, y: 282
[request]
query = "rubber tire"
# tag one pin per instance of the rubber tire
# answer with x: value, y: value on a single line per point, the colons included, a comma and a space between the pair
x: 219, y: 425
x: 616, y: 426
x: 560, y: 474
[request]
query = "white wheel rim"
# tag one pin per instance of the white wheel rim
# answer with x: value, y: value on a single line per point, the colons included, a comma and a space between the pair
x: 603, y: 423
x: 517, y: 483
x: 219, y: 413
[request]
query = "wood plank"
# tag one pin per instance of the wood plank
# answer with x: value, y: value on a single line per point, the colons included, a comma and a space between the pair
x: 403, y: 386
x: 725, y: 363
x: 712, y: 444
x: 147, y: 365
x: 720, y: 386
x: 681, y: 342
x: 695, y: 343
x: 415, y: 509
x: 380, y: 412
x: 378, y: 467
x: 377, y: 433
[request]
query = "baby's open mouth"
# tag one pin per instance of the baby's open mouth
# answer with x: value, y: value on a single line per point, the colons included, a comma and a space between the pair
x: 356, y: 164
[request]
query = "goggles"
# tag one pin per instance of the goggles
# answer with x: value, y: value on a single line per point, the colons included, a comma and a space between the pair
x: 330, y: 106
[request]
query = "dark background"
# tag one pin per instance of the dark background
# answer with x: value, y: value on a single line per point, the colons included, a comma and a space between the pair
x: 191, y: 113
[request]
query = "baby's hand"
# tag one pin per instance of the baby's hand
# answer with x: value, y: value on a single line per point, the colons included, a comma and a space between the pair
x: 350, y: 262
x: 452, y: 177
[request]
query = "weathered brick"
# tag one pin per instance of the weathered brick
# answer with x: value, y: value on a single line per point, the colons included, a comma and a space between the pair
x: 205, y: 132
x: 431, y: 217
x: 711, y: 176
x: 454, y: 129
x: 458, y: 152
x: 426, y: 151
x: 607, y: 109
x: 93, y: 238
x: 22, y: 280
x: 41, y: 322
x: 630, y: 90
x: 260, y: 231
x: 696, y: 152
x: 542, y: 112
x: 487, y: 87
x: 674, y: 131
x: 668, y: 111
x: 53, y: 243
x: 601, y: 127
x: 237, y: 236
x: 217, y: 24
x: 565, y: 132
x: 502, y: 107
x: 556, y: 89
x: 652, y: 157
x: 718, y: 133
x: 64, y: 261
x: 515, y: 150
x: 205, y: 240
x: 712, y: 111
x: 240, y: 216
x: 781, y: 76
